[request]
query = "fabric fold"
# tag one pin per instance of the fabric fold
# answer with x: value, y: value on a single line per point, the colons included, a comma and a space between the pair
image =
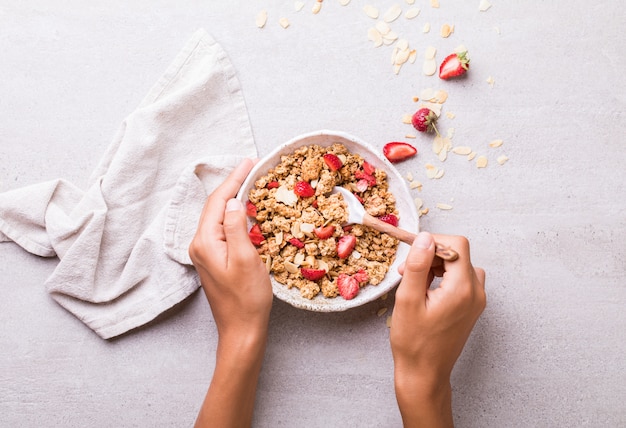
x: 122, y: 243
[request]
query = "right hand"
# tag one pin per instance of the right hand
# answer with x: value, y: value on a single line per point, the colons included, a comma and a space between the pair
x: 430, y: 327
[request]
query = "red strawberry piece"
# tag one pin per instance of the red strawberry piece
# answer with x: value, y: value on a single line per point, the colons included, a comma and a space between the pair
x: 345, y: 245
x: 362, y: 175
x: 333, y: 162
x: 397, y: 151
x: 255, y: 235
x: 348, y: 286
x: 361, y: 276
x: 347, y: 228
x: 296, y: 243
x: 368, y: 168
x: 303, y: 189
x: 362, y: 185
x: 324, y: 232
x: 360, y: 199
x: 454, y: 65
x: 389, y: 218
x: 250, y: 209
x: 315, y: 204
x: 272, y: 185
x: 313, y: 274
x: 425, y: 120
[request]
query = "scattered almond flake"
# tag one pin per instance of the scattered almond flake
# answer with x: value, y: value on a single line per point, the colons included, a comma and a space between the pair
x: 424, y: 211
x: 409, y: 176
x: 446, y: 30
x: 381, y: 312
x: 481, y: 162
x: 389, y: 38
x: 471, y: 156
x: 435, y: 107
x: 261, y: 19
x: 450, y: 134
x: 496, y: 143
x: 371, y: 11
x: 443, y: 155
x: 403, y: 44
x: 410, y: 1
x: 462, y: 150
x: 388, y: 321
x: 416, y: 185
x: 443, y: 206
x: 392, y: 13
x: 402, y: 56
x: 407, y: 118
x: 374, y: 35
x: 437, y: 144
x: 426, y: 28
x: 491, y: 81
x: 502, y: 159
x: 356, y: 255
x: 410, y: 136
x: 383, y: 27
x: 396, y: 68
x: 434, y: 3
x: 344, y: 2
x: 418, y: 203
x: 440, y: 173
x: 430, y: 53
x: 298, y: 5
x: 427, y: 94
x: 284, y: 22
x: 450, y: 115
x: 412, y: 56
x: 432, y: 172
x: 412, y: 13
x: 441, y: 96
x: 317, y: 6
x: 430, y: 67
x: 484, y: 5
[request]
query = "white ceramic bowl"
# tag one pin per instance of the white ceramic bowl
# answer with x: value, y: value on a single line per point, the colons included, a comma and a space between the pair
x: 409, y: 218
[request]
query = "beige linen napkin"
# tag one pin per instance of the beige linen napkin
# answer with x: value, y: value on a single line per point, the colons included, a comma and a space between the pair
x: 122, y: 243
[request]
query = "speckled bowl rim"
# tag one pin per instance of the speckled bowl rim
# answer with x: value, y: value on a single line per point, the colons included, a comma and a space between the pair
x: 409, y: 218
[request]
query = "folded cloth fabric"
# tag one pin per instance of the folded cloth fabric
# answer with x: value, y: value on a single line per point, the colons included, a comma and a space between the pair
x: 122, y: 243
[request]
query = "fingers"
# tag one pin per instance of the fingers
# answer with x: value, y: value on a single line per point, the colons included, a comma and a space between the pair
x: 416, y: 272
x: 238, y: 243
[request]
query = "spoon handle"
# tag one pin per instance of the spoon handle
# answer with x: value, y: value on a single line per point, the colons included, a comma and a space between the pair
x: 443, y: 252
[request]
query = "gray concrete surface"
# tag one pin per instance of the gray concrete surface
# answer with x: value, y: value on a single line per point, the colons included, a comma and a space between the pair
x: 549, y: 226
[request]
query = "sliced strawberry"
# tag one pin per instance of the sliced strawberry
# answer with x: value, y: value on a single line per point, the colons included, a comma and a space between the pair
x: 303, y: 189
x: 360, y: 199
x: 362, y: 175
x: 348, y: 286
x: 361, y: 276
x: 347, y: 228
x: 255, y: 235
x: 368, y: 168
x: 250, y: 209
x: 389, y: 218
x: 333, y: 162
x: 324, y: 232
x: 345, y: 245
x: 454, y: 65
x: 398, y: 151
x: 362, y: 185
x: 272, y: 185
x: 313, y: 274
x: 296, y: 243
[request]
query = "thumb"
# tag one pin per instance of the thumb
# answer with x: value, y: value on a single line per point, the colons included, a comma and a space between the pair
x: 235, y: 229
x: 417, y: 266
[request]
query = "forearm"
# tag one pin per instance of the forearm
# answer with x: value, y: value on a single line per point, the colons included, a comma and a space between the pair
x: 230, y: 399
x: 423, y: 402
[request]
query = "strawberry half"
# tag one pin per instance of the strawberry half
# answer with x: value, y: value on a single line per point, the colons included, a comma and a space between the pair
x: 345, y: 245
x: 454, y: 65
x: 333, y: 162
x: 389, y: 218
x: 312, y: 274
x: 256, y: 237
x: 250, y: 209
x: 396, y: 151
x: 304, y: 189
x: 348, y: 286
x: 424, y: 120
x: 324, y: 232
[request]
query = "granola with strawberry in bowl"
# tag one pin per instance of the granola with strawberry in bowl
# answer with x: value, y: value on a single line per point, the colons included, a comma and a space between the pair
x: 298, y: 223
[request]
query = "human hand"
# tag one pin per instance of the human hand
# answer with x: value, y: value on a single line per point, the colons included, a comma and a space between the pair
x: 238, y: 288
x: 429, y: 328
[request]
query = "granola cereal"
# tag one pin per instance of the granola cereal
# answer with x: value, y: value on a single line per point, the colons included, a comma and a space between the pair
x: 301, y: 222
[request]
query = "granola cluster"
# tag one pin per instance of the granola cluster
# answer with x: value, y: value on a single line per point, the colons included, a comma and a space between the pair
x: 300, y: 230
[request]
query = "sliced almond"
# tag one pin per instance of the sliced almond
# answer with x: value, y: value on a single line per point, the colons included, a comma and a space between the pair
x: 268, y: 263
x: 344, y: 2
x: 279, y: 237
x: 427, y: 94
x: 374, y: 35
x: 418, y: 203
x: 439, y: 174
x: 430, y: 67
x: 430, y: 53
x: 462, y: 150
x: 441, y: 96
x: 410, y: 136
x: 284, y: 22
x: 443, y: 206
x: 383, y: 27
x: 407, y: 118
x: 298, y: 259
x: 484, y: 5
x: 321, y: 264
x: 434, y: 3
x: 491, y: 81
x: 261, y: 19
x: 424, y: 211
x: 496, y: 143
x: 426, y: 28
x: 409, y: 176
x: 446, y: 30
x: 481, y: 162
x: 443, y: 155
x: 317, y: 6
x: 371, y: 11
x: 471, y: 156
x: 412, y: 56
x: 298, y: 5
x: 295, y: 229
x: 402, y: 56
x: 291, y: 267
x: 502, y: 159
x: 416, y: 185
x: 392, y: 13
x: 390, y: 37
x: 355, y: 255
x: 437, y: 144
x: 412, y: 13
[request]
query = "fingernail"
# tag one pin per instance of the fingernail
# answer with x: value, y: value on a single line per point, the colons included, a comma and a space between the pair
x: 233, y: 205
x: 423, y: 240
